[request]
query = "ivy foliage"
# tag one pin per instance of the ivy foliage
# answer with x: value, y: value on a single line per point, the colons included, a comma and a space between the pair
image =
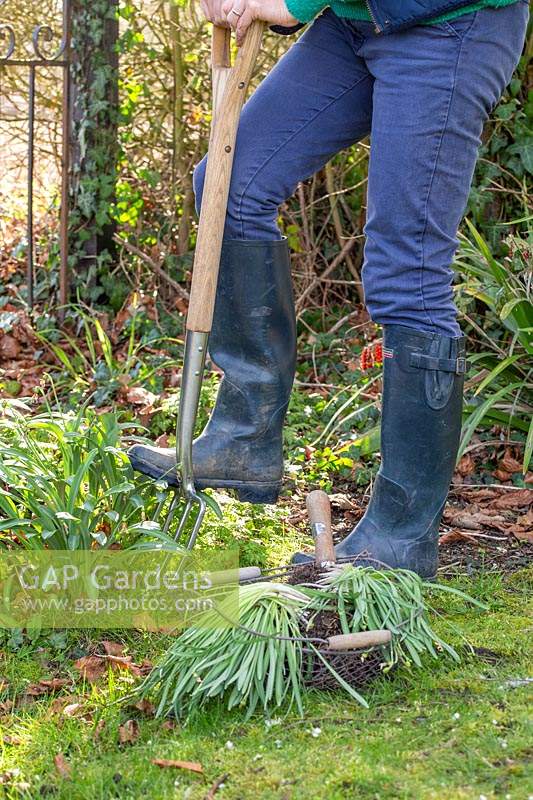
x: 94, y: 73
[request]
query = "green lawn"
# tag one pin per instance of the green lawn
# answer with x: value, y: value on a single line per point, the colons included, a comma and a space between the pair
x: 449, y: 731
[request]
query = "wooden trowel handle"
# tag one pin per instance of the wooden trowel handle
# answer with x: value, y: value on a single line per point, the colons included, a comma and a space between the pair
x: 319, y: 511
x: 230, y: 84
x: 359, y: 641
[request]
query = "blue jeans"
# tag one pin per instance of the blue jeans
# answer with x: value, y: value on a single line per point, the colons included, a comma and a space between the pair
x: 423, y: 95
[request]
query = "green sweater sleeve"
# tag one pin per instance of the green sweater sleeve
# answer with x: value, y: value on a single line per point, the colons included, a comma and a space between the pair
x: 305, y: 10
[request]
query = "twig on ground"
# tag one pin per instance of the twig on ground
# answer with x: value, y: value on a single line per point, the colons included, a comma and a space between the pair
x: 216, y: 786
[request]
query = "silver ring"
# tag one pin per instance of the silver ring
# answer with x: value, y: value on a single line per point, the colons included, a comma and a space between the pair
x: 235, y: 12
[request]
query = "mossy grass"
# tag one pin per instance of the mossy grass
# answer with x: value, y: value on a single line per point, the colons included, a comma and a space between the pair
x: 447, y: 731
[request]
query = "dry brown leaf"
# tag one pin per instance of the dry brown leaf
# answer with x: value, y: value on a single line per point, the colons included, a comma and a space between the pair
x: 145, y: 707
x: 12, y: 740
x: 139, y: 396
x: 57, y: 706
x: 6, y: 706
x: 510, y: 464
x: 466, y: 465
x: 72, y: 709
x: 181, y: 305
x: 128, y: 732
x: 121, y: 318
x: 91, y: 667
x: 519, y: 498
x: 457, y: 536
x: 342, y: 501
x: 523, y: 535
x: 477, y: 495
x: 7, y: 776
x: 169, y: 725
x: 192, y: 766
x: 126, y: 663
x: 502, y: 476
x: 353, y: 366
x: 113, y: 648
x: 9, y: 347
x: 62, y: 765
x: 526, y: 520
x: 47, y: 686
x: 476, y: 520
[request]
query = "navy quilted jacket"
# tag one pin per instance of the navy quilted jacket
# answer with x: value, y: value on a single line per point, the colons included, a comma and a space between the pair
x: 393, y: 15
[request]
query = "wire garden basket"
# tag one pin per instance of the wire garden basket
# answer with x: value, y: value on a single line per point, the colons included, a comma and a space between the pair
x: 355, y: 658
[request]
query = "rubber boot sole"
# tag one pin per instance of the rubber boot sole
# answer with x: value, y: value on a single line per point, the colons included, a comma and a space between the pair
x: 255, y: 492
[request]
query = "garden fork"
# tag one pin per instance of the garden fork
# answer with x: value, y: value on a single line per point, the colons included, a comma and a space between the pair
x: 229, y: 84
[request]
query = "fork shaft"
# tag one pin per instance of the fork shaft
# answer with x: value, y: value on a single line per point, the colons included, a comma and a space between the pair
x: 191, y: 385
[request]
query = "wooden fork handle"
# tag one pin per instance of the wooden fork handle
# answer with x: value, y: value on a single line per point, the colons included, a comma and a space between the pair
x: 230, y: 84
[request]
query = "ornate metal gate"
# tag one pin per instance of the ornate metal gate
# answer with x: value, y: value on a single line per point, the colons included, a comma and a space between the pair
x: 39, y: 57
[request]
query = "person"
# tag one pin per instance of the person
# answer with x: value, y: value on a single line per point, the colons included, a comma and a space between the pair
x: 421, y: 77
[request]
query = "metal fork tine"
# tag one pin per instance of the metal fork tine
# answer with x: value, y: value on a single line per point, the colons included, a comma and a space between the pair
x: 184, y: 519
x: 170, y: 513
x: 198, y: 521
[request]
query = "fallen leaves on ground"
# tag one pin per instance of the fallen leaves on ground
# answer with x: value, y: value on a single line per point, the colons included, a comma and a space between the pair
x: 7, y: 738
x: 509, y: 464
x: 192, y: 766
x: 456, y: 536
x: 488, y: 525
x: 512, y: 499
x: 11, y: 776
x: 491, y: 509
x: 47, y: 686
x: 125, y: 663
x: 466, y: 465
x: 473, y: 519
x: 93, y: 667
x: 113, y: 648
x: 128, y: 732
x: 66, y: 704
x: 145, y: 707
x: 21, y: 370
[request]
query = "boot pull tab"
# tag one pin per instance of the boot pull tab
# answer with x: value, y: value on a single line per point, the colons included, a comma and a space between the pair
x: 443, y: 364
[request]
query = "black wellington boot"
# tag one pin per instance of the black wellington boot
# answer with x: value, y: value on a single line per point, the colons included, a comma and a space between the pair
x: 423, y: 378
x: 253, y: 341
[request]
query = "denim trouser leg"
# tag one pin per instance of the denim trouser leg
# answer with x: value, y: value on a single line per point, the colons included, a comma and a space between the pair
x: 424, y: 95
x: 434, y: 88
x: 316, y: 101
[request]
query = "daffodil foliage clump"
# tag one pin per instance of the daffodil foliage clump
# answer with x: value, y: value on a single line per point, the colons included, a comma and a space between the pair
x: 257, y: 662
